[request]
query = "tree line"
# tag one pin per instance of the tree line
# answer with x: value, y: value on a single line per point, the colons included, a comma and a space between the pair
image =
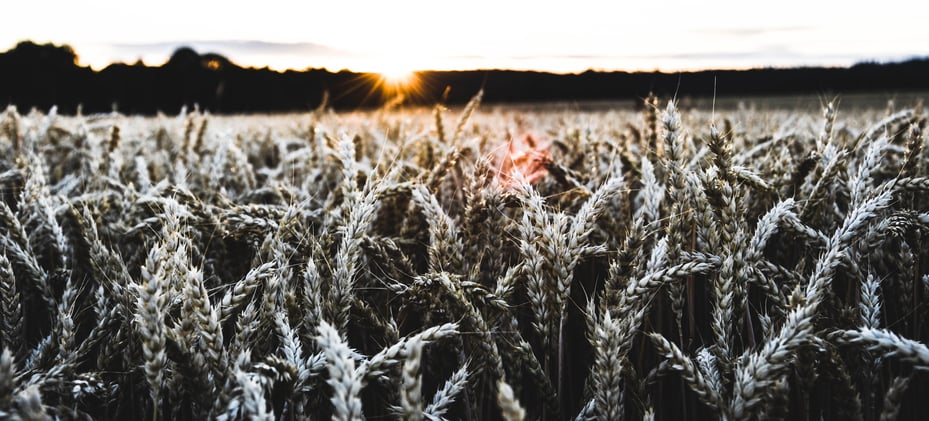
x: 42, y: 76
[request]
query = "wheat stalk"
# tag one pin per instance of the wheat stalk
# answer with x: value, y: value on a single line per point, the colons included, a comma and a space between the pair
x: 510, y: 408
x: 344, y: 379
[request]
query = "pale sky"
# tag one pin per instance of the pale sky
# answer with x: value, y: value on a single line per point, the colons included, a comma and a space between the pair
x: 563, y: 36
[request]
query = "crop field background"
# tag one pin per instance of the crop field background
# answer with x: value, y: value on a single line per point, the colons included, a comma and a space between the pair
x: 675, y: 262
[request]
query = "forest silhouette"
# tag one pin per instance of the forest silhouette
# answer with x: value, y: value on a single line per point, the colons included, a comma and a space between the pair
x: 42, y: 76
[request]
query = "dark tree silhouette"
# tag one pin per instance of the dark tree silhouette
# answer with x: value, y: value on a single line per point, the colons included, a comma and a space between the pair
x: 41, y: 76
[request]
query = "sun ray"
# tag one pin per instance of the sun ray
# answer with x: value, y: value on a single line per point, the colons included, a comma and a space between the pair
x: 397, y: 76
x: 397, y: 80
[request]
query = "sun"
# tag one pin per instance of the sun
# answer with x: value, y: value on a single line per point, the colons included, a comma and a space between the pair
x: 397, y: 76
x: 396, y: 81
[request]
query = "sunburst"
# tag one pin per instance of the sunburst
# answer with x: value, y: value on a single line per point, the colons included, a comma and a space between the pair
x: 397, y: 76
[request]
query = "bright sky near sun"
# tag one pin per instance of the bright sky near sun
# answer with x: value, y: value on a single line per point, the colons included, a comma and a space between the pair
x: 562, y: 36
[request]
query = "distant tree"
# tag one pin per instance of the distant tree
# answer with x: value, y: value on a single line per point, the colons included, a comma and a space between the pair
x: 184, y: 58
x: 62, y: 56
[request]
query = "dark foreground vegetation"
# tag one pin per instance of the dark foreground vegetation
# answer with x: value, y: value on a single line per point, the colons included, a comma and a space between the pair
x: 469, y: 265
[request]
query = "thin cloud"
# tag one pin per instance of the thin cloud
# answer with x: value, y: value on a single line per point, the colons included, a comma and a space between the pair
x: 249, y: 53
x: 771, y: 52
x: 751, y: 31
x: 233, y: 47
x: 304, y: 55
x: 776, y: 55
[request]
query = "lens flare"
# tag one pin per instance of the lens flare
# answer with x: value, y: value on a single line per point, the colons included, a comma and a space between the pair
x: 397, y: 76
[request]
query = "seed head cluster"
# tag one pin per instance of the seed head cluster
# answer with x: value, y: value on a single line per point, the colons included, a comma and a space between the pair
x: 529, y: 264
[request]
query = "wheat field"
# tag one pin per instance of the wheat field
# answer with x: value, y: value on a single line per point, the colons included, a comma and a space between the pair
x: 476, y: 264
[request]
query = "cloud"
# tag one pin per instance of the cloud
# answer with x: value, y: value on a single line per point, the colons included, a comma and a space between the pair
x: 776, y: 55
x: 248, y: 53
x: 233, y: 48
x: 303, y: 55
x: 761, y: 54
x: 751, y: 31
x: 772, y: 55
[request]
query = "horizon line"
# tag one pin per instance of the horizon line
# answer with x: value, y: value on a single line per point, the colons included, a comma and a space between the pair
x: 310, y: 49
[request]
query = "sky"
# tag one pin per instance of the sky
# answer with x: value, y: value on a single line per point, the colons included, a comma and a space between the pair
x: 558, y: 36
